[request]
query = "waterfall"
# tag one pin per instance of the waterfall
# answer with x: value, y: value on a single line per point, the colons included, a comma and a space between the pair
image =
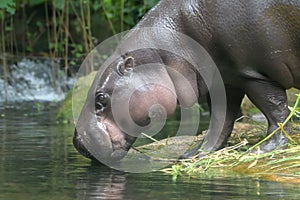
x: 33, y: 80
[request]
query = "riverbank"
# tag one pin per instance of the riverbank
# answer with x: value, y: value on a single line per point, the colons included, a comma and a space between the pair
x: 278, y: 165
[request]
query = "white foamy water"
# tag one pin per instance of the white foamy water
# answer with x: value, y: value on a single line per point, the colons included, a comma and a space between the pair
x: 34, y: 81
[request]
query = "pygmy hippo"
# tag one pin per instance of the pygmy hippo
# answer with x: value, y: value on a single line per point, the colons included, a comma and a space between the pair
x: 255, y: 45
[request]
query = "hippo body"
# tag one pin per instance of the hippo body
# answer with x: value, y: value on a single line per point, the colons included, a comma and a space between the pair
x: 255, y: 45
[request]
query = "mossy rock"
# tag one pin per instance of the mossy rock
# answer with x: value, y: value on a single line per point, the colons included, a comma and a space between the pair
x: 292, y: 95
x: 65, y: 114
x: 248, y: 108
x: 75, y: 99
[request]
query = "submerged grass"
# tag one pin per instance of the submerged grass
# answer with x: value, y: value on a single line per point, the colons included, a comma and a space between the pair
x: 278, y: 165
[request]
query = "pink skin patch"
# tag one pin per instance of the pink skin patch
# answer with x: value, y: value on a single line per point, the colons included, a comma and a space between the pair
x: 145, y: 98
x: 117, y: 137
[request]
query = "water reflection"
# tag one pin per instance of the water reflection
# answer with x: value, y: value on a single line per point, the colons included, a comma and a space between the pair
x: 99, y: 182
x: 38, y: 161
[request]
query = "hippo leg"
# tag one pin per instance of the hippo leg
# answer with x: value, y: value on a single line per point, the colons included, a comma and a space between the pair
x: 212, y: 141
x: 271, y: 99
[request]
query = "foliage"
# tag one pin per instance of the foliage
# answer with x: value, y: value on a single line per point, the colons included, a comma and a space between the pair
x: 64, y: 29
x: 8, y: 6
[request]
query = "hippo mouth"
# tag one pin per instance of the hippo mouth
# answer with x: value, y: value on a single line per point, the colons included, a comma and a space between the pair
x: 105, y: 143
x: 78, y: 144
x: 119, y: 142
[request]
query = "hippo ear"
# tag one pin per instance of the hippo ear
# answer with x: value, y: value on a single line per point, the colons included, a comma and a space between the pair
x: 129, y: 63
x: 126, y: 66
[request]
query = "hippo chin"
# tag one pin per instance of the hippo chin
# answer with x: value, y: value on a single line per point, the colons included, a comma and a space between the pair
x: 255, y: 45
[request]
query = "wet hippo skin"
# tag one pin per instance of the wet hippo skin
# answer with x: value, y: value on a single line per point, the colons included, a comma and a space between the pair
x: 255, y: 45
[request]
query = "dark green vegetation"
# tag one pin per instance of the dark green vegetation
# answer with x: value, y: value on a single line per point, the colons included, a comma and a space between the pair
x: 63, y: 30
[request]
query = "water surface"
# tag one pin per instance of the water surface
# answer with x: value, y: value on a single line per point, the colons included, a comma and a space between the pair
x: 38, y: 161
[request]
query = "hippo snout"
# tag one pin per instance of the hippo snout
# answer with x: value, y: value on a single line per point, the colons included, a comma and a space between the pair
x: 79, y: 145
x: 102, y: 140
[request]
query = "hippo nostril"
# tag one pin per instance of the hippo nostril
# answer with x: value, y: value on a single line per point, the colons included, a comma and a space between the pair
x: 126, y: 147
x: 129, y: 141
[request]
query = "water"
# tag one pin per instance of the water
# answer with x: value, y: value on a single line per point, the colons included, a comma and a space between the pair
x: 38, y: 161
x: 34, y: 80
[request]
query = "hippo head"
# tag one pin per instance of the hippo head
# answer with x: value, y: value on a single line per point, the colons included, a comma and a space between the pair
x: 127, y: 98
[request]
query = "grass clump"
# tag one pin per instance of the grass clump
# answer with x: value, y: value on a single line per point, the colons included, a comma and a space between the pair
x: 279, y: 165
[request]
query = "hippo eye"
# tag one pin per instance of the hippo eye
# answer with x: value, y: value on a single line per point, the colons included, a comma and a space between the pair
x: 101, y: 101
x: 126, y: 66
